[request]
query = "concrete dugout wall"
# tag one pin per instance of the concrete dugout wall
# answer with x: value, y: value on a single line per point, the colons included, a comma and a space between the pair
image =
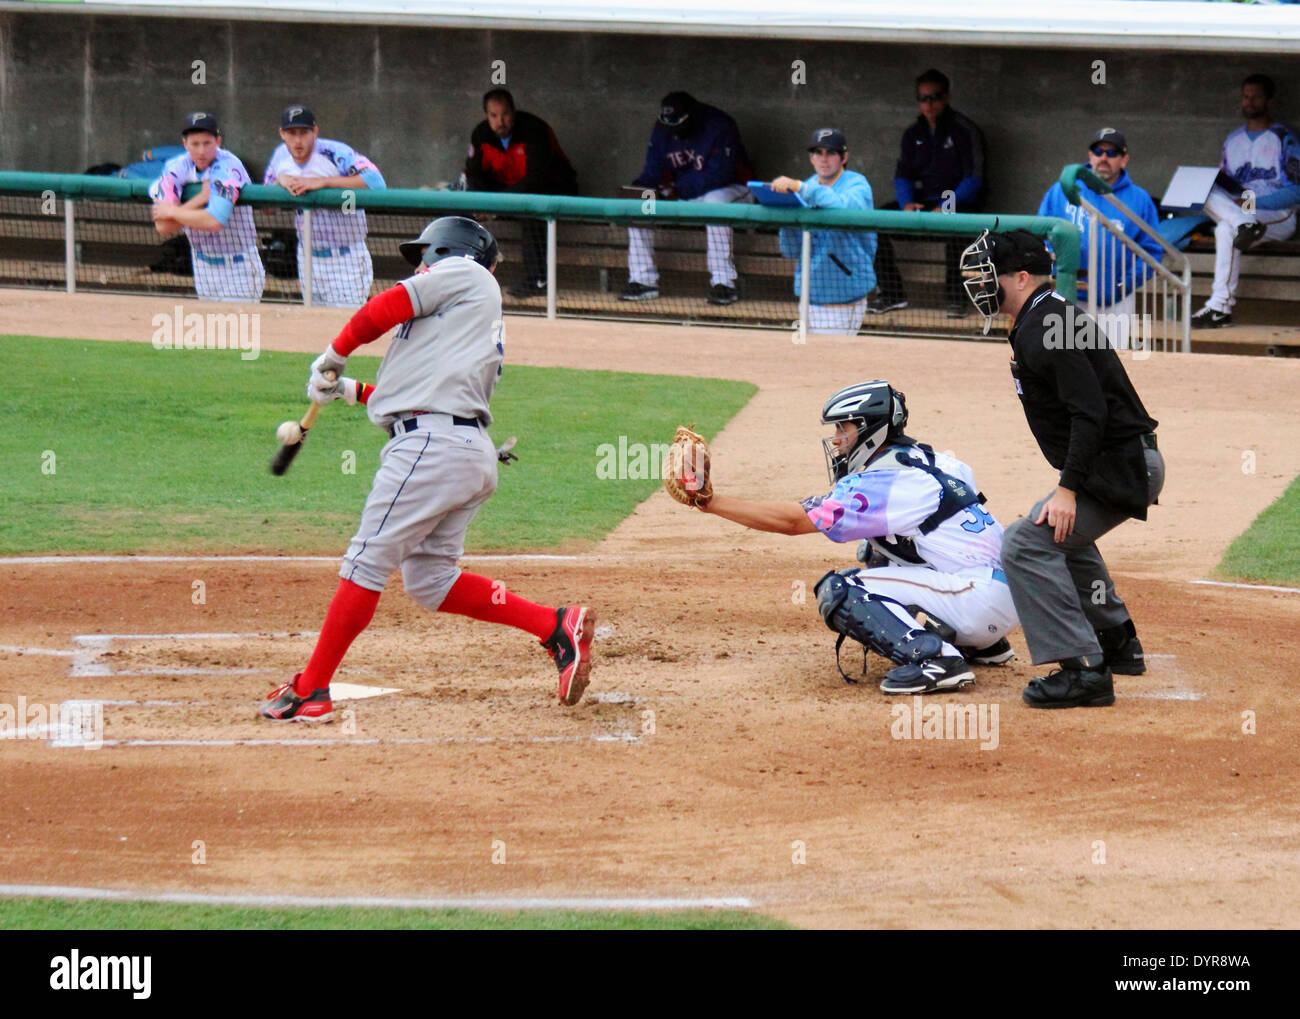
x: 77, y: 90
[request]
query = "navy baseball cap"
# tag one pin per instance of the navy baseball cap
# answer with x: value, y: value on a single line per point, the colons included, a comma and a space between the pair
x: 1110, y: 136
x: 297, y: 116
x: 1018, y: 250
x: 676, y: 108
x: 200, y: 122
x: 827, y: 138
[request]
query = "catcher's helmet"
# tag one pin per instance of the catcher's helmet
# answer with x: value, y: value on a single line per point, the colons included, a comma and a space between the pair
x: 880, y: 412
x: 448, y: 237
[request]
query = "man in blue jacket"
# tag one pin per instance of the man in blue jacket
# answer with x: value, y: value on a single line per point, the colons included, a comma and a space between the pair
x: 696, y: 155
x: 840, y: 269
x: 940, y: 169
x: 1120, y: 272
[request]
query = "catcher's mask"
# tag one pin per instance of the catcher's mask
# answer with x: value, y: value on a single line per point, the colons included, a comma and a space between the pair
x: 992, y: 255
x: 448, y: 237
x: 879, y: 411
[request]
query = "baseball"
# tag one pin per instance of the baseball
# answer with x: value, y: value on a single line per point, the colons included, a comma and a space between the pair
x: 289, y: 433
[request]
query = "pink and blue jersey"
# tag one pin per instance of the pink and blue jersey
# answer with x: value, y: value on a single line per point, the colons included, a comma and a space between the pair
x: 226, y: 177
x: 328, y: 159
x: 888, y: 502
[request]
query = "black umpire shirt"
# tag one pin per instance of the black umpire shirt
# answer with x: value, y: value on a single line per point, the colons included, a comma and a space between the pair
x: 1079, y: 402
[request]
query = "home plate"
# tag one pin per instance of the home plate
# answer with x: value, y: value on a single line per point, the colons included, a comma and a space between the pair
x: 356, y: 692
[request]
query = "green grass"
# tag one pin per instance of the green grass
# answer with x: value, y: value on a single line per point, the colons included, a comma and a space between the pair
x: 62, y: 914
x: 167, y: 450
x: 1269, y: 550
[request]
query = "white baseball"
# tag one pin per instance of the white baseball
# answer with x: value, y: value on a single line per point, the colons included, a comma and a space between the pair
x: 289, y: 433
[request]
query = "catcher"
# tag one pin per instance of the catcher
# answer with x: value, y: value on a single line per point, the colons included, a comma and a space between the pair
x: 930, y: 546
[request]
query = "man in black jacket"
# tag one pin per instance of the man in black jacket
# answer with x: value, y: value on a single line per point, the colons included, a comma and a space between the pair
x: 940, y: 168
x: 1092, y: 427
x: 512, y: 150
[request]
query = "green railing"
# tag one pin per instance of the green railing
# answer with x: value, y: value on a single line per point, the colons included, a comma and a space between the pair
x: 1063, y: 236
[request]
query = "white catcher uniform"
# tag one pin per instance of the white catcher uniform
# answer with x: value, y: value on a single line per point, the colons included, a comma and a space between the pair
x: 226, y: 264
x: 342, y: 271
x: 432, y: 393
x: 952, y: 573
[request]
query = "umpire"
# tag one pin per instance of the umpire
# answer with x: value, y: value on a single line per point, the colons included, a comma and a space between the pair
x: 1092, y: 427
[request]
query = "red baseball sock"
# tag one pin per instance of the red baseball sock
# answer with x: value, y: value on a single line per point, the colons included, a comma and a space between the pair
x: 350, y: 612
x: 480, y: 598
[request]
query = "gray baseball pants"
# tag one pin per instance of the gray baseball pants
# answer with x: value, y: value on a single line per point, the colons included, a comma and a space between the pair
x: 1063, y: 593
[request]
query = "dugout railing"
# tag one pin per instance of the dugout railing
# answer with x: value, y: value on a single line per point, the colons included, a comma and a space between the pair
x: 88, y: 233
x: 1139, y: 301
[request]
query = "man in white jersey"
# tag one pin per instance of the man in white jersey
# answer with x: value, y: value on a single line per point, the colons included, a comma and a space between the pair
x: 341, y: 270
x: 439, y: 466
x: 1260, y: 174
x: 223, y: 242
x: 934, y: 548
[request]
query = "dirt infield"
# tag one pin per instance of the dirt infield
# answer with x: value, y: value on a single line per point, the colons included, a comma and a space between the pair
x: 717, y: 745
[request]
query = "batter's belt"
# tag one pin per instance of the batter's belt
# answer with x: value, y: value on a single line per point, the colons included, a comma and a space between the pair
x: 411, y: 421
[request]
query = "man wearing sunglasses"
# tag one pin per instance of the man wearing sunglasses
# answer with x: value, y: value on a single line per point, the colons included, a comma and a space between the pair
x: 1120, y: 272
x: 1261, y: 164
x: 940, y: 167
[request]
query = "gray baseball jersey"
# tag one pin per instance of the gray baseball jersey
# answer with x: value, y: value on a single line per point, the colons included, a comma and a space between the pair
x: 447, y: 357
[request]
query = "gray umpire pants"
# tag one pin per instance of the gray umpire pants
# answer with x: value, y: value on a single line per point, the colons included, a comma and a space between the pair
x: 1063, y: 593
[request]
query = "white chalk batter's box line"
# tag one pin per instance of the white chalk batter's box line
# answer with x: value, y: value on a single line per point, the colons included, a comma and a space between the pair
x: 495, y: 902
x: 92, y: 646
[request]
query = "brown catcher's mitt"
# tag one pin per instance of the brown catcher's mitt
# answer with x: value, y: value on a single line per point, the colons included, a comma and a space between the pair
x: 686, y: 469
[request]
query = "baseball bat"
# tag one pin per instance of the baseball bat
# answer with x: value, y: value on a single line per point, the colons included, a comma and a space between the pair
x: 287, y: 451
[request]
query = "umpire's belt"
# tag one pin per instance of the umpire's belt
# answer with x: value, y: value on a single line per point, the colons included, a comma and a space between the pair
x: 428, y: 419
x: 1149, y: 440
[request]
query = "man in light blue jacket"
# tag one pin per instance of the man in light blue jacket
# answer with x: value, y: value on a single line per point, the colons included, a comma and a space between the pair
x: 1120, y: 272
x: 841, y: 270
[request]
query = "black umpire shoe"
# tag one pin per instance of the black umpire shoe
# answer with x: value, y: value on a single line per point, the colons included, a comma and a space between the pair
x: 931, y: 676
x: 1122, y: 649
x: 997, y: 653
x: 1073, y: 686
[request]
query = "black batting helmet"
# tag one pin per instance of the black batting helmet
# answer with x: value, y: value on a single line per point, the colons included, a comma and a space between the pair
x: 880, y: 412
x: 448, y: 237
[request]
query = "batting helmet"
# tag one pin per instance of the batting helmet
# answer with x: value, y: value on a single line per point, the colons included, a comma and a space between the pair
x: 880, y: 412
x: 448, y: 237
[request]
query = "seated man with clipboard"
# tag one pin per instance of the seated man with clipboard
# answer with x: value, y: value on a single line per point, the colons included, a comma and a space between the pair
x: 841, y: 271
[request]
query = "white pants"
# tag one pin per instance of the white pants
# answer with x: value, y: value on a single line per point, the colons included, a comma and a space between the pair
x: 1117, y: 321
x: 228, y: 277
x: 1228, y: 215
x: 340, y: 277
x: 641, y: 245
x: 842, y: 319
x: 974, y: 604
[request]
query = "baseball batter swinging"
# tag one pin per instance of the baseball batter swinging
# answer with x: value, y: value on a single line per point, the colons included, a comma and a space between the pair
x: 933, y: 547
x: 439, y: 466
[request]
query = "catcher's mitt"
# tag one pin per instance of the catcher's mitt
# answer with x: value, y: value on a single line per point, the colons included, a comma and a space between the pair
x: 686, y: 469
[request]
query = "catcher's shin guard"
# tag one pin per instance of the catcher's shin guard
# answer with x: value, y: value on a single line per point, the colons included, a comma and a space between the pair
x: 851, y: 611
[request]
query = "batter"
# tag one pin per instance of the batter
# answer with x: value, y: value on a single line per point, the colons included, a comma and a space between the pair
x: 439, y: 466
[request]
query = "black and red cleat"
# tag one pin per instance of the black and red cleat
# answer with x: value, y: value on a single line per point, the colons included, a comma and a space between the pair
x: 570, y: 646
x: 284, y: 705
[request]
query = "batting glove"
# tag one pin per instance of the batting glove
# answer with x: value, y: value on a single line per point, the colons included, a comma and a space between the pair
x: 328, y: 361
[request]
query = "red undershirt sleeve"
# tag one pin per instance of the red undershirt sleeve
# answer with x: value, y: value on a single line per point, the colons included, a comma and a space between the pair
x: 374, y: 318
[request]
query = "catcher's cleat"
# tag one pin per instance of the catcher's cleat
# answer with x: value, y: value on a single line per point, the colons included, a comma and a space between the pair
x: 997, y: 653
x: 1071, y: 688
x: 931, y: 676
x: 286, y: 706
x: 570, y: 646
